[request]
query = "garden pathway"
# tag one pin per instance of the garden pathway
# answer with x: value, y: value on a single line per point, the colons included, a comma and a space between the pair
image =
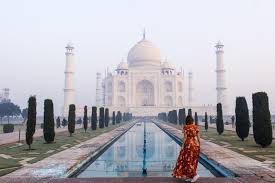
x: 7, y: 138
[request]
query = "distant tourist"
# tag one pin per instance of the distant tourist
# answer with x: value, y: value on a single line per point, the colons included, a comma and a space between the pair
x: 187, y: 163
x: 58, y: 122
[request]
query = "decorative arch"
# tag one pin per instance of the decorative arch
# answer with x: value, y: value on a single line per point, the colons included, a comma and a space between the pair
x: 145, y: 93
x: 168, y: 101
x: 180, y: 101
x: 168, y: 86
x: 121, y: 101
x: 121, y: 86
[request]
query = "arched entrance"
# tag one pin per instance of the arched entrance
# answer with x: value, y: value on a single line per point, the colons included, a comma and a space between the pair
x: 145, y: 93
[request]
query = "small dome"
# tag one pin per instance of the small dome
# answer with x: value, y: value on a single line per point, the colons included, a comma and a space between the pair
x: 143, y: 54
x: 70, y: 45
x: 166, y: 65
x: 122, y: 66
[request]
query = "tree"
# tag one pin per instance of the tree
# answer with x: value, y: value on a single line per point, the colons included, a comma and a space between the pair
x: 219, y: 120
x: 71, y: 119
x: 101, y: 117
x: 106, y: 117
x: 118, y: 117
x: 48, y: 127
x: 242, y: 118
x: 181, y: 116
x: 196, y: 118
x: 94, y: 118
x: 262, y: 128
x: 9, y: 109
x: 205, y: 121
x: 114, y: 118
x: 24, y: 114
x: 85, y: 119
x: 58, y: 124
x: 190, y: 112
x: 31, y: 122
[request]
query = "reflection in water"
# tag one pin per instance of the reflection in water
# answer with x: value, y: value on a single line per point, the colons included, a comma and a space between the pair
x: 124, y: 158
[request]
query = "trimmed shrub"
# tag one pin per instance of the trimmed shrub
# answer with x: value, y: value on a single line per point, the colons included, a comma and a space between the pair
x: 189, y: 112
x: 262, y: 128
x: 114, y: 118
x: 242, y: 118
x: 118, y: 117
x: 94, y: 118
x: 8, y: 128
x: 31, y: 122
x: 205, y: 121
x: 219, y: 120
x: 106, y: 117
x: 85, y: 119
x: 196, y: 119
x: 181, y: 116
x: 101, y: 117
x: 48, y: 128
x: 71, y: 119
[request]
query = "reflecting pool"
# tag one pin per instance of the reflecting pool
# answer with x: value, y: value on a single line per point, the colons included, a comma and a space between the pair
x: 126, y: 157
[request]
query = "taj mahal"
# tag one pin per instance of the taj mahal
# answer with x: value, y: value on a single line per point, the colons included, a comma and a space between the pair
x: 146, y: 84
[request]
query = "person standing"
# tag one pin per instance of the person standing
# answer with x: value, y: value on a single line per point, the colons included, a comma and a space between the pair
x: 187, y: 162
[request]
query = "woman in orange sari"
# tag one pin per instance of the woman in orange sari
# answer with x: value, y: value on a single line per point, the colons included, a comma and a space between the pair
x: 186, y: 166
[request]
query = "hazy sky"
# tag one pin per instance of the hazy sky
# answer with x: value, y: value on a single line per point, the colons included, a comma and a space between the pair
x: 33, y: 35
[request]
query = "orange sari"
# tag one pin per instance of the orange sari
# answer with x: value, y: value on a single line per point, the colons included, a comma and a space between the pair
x: 186, y: 166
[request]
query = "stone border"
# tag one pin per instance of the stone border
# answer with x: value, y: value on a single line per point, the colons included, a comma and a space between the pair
x: 62, y: 164
x: 241, y: 165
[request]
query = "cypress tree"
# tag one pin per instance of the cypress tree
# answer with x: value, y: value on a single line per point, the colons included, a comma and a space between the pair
x: 106, y: 117
x: 85, y: 119
x: 196, y: 119
x: 181, y: 116
x: 190, y: 112
x: 205, y: 121
x: 242, y: 118
x: 262, y: 128
x: 48, y: 127
x: 94, y: 118
x: 114, y: 118
x: 118, y: 117
x: 71, y: 119
x: 31, y: 122
x: 219, y: 120
x: 101, y: 117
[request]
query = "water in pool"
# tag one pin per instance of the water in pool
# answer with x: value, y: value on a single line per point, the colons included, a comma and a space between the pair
x: 126, y: 158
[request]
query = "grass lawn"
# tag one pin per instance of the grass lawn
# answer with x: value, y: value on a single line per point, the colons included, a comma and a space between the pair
x: 12, y: 156
x: 230, y: 140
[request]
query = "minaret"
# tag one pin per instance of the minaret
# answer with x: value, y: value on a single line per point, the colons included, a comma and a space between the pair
x: 221, y: 82
x: 69, y: 73
x: 190, y: 88
x: 98, y: 89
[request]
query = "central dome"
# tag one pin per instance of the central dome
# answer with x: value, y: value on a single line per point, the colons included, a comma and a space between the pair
x: 143, y: 54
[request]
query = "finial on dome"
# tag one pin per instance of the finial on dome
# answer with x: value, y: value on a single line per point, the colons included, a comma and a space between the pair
x: 144, y: 33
